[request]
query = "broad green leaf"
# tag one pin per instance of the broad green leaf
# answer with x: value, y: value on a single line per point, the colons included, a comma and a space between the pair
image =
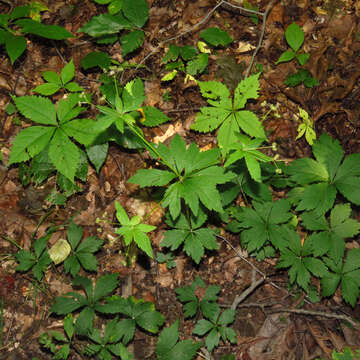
x: 105, y: 24
x: 294, y: 36
x: 52, y: 77
x: 14, y: 45
x: 85, y: 321
x: 25, y: 259
x: 19, y: 12
x: 73, y: 87
x: 97, y: 155
x: 82, y: 130
x: 68, y: 72
x: 197, y: 65
x: 318, y: 197
x: 64, y: 154
x: 47, y: 89
x: 212, y: 340
x: 137, y: 11
x: 72, y: 265
x: 53, y: 32
x: 121, y: 214
x: 347, y: 179
x: 227, y: 317
x: 38, y: 109
x: 96, y: 58
x: 105, y: 285
x: 91, y: 244
x: 168, y: 348
x: 74, y: 234
x: 153, y: 116
x: 30, y: 142
x: 286, y: 56
x: 143, y: 242
x: 329, y: 153
x: 340, y: 221
x: 131, y: 41
x: 59, y: 251
x: 303, y: 59
x: 87, y: 260
x: 202, y: 327
x: 247, y: 89
x: 133, y: 95
x: 68, y: 303
x: 215, y: 36
x: 306, y: 171
x: 152, y: 177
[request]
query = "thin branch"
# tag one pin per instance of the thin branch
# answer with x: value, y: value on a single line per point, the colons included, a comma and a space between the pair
x: 240, y: 298
x: 319, y: 313
x: 260, y: 39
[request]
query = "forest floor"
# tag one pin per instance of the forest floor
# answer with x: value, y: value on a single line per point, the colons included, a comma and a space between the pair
x: 268, y: 324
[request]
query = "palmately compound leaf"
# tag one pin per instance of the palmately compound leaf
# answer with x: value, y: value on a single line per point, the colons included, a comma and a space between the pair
x: 330, y: 238
x: 227, y: 114
x: 197, y: 175
x: 168, y: 347
x: 195, y: 240
x: 298, y: 256
x: 347, y: 274
x: 323, y: 177
x: 261, y: 226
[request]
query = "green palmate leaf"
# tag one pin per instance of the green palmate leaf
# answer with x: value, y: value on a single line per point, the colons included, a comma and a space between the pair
x: 262, y: 224
x: 347, y: 274
x: 131, y: 41
x: 53, y: 32
x: 105, y: 24
x: 227, y: 114
x: 38, y: 109
x: 299, y: 257
x: 215, y: 36
x: 30, y: 142
x: 14, y: 45
x: 197, y: 176
x: 294, y: 36
x: 331, y: 239
x: 64, y: 154
x: 247, y: 149
x: 326, y: 175
x: 152, y: 177
x: 137, y: 11
x: 168, y: 347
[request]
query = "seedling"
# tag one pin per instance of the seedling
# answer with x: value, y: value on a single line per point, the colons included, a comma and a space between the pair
x: 20, y: 16
x: 133, y: 233
x: 125, y: 15
x: 54, y: 82
x: 306, y: 127
x: 50, y: 340
x: 302, y: 76
x: 169, y: 347
x: 295, y: 38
